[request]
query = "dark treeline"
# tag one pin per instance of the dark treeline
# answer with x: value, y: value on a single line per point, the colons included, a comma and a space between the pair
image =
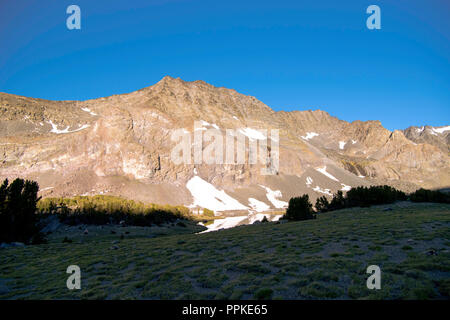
x: 301, y: 209
x: 423, y: 195
x: 361, y: 197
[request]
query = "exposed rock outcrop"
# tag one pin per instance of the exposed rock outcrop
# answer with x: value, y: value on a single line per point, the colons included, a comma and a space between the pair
x: 122, y: 145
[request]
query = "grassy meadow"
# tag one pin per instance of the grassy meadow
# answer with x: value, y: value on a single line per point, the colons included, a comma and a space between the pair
x: 324, y: 258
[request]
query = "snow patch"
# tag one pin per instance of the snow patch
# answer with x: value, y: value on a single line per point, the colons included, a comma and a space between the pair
x: 310, y: 135
x: 206, y: 124
x: 354, y: 141
x: 257, y: 205
x: 89, y: 111
x: 441, y: 130
x: 345, y: 187
x: 252, y: 134
x: 324, y: 191
x: 207, y: 196
x: 66, y: 130
x: 272, y: 196
x: 324, y: 172
x: 342, y: 144
x: 225, y: 223
x: 309, y: 181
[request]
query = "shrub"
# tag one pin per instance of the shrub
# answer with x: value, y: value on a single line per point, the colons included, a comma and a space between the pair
x: 18, y: 212
x: 299, y: 209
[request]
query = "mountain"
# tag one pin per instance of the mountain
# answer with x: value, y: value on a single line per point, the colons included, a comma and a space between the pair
x: 436, y: 136
x: 122, y: 145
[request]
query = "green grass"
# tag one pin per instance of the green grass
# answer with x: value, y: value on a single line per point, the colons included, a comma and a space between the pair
x: 325, y: 258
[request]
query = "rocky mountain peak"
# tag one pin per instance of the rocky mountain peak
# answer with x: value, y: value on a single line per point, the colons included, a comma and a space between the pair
x: 122, y: 145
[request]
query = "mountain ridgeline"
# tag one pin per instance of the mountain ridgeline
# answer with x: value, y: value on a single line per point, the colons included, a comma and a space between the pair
x: 121, y: 146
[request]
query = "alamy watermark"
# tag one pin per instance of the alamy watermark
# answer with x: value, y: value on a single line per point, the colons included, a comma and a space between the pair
x: 74, y: 280
x: 374, y: 20
x: 74, y: 20
x: 228, y: 149
x: 374, y: 280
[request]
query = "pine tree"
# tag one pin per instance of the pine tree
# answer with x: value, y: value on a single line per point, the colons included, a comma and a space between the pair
x: 299, y: 209
x: 322, y: 204
x: 18, y: 211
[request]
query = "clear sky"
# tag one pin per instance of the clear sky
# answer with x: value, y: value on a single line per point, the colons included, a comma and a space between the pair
x: 291, y: 55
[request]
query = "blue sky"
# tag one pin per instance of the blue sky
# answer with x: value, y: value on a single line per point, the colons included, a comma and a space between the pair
x: 291, y: 55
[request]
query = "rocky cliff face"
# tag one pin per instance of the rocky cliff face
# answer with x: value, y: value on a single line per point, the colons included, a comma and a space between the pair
x: 122, y: 145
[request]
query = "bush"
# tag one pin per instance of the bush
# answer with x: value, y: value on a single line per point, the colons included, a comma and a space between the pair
x: 299, y: 209
x: 18, y: 212
x: 423, y: 195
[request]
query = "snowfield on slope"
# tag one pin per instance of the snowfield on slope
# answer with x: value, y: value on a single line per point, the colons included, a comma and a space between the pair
x: 66, y: 130
x: 310, y: 135
x: 324, y: 191
x: 441, y: 130
x: 272, y: 196
x: 89, y: 111
x: 225, y: 223
x: 207, y: 196
x: 257, y: 205
x: 324, y: 172
x: 345, y: 187
x: 252, y: 134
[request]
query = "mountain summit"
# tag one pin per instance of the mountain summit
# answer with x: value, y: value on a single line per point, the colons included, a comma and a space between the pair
x: 122, y: 145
